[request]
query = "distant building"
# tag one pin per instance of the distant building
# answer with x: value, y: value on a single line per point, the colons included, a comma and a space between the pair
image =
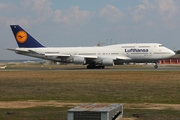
x: 173, y: 60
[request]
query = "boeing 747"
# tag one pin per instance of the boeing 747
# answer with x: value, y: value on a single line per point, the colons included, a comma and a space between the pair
x: 93, y: 57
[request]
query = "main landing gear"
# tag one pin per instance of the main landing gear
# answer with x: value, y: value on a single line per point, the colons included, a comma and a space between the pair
x: 156, y: 66
x: 95, y: 66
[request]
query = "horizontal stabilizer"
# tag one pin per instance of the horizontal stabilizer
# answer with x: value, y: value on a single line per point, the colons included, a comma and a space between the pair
x: 22, y: 50
x: 16, y: 50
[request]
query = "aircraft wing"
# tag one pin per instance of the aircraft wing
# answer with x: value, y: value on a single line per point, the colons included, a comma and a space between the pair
x: 87, y: 56
x: 61, y: 56
x: 58, y: 55
x: 123, y: 58
x: 68, y: 55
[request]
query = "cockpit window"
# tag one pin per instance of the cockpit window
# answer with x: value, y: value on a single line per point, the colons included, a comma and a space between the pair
x: 161, y: 45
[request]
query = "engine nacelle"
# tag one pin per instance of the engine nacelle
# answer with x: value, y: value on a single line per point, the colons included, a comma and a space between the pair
x: 107, y: 62
x: 79, y: 60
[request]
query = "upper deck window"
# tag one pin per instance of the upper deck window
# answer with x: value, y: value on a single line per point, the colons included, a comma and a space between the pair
x: 161, y: 45
x: 127, y: 46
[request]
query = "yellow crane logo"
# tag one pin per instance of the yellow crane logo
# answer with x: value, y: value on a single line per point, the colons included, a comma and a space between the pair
x: 21, y: 37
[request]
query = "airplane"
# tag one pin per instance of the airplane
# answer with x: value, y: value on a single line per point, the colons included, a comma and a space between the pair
x: 95, y: 57
x: 3, y: 67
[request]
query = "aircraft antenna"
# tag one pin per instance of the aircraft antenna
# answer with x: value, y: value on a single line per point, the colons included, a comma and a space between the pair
x: 111, y: 41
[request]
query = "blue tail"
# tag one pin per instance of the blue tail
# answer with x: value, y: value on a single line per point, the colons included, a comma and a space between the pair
x: 23, y: 39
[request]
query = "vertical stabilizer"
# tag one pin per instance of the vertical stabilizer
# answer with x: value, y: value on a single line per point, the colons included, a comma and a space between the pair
x: 23, y: 39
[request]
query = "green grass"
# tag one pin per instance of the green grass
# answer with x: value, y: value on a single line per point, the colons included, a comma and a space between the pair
x: 60, y: 113
x: 153, y: 114
x: 37, y: 113
x: 91, y: 86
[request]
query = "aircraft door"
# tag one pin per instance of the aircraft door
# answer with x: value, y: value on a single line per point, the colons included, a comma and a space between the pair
x: 150, y: 52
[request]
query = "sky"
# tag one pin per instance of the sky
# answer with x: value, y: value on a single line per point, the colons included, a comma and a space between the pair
x: 67, y: 23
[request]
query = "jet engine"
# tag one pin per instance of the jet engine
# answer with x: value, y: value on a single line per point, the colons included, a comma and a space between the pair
x: 107, y: 62
x: 79, y: 60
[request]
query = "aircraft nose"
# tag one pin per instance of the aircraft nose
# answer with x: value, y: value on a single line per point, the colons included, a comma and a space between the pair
x: 172, y: 53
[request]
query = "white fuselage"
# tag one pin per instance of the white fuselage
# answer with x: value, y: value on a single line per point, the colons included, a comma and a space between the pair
x: 138, y: 52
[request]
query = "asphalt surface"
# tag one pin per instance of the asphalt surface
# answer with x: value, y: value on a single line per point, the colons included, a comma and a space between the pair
x: 83, y: 68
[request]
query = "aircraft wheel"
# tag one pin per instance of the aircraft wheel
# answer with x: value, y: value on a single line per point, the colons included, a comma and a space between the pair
x: 90, y: 67
x: 98, y: 67
x: 156, y: 66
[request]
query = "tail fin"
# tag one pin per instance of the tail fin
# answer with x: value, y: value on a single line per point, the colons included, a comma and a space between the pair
x: 23, y: 39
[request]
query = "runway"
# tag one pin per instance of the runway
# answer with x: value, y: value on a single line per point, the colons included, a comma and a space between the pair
x: 83, y: 68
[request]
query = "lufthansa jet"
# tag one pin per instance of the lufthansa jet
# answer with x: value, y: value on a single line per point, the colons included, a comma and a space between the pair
x: 94, y: 57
